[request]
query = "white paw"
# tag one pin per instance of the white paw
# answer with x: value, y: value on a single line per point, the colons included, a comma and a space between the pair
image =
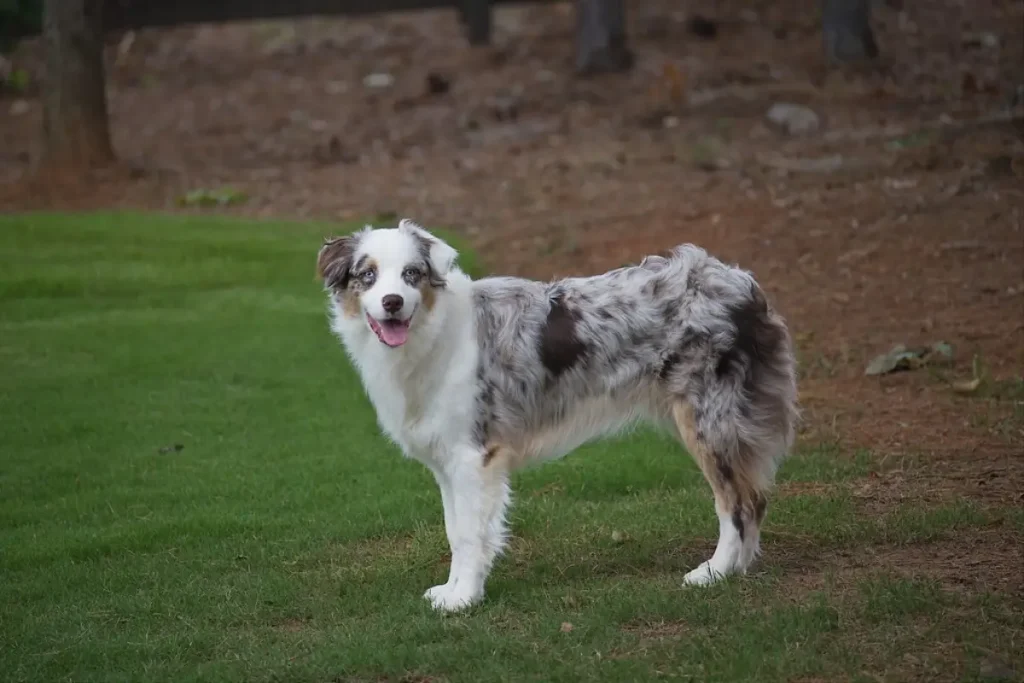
x: 451, y: 598
x: 434, y: 591
x: 703, y: 575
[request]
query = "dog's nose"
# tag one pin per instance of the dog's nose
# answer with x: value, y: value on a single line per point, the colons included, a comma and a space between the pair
x: 392, y: 303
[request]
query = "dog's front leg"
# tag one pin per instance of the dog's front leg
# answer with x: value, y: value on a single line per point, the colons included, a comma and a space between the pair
x: 447, y: 502
x: 475, y: 494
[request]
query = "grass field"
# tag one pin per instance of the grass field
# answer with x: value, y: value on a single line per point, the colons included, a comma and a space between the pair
x: 193, y: 488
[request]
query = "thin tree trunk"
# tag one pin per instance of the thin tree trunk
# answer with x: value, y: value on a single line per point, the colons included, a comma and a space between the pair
x: 601, y: 37
x: 476, y: 16
x: 846, y: 29
x: 75, y: 122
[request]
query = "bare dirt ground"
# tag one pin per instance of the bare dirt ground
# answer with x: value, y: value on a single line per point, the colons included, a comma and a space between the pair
x: 900, y: 219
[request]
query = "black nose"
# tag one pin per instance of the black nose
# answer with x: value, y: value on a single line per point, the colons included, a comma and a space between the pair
x: 392, y: 303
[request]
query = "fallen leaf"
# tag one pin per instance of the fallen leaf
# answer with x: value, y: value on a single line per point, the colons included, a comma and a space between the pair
x: 803, y: 337
x: 902, y: 358
x: 966, y: 386
x: 943, y: 349
x: 898, y: 358
x: 566, y: 627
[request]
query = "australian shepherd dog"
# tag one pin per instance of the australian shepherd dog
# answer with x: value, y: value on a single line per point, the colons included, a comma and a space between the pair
x: 475, y: 378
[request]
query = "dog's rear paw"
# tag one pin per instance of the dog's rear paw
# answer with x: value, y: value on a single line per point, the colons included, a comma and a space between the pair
x: 451, y: 598
x: 703, y: 575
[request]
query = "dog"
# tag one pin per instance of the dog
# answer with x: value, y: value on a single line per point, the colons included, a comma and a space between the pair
x: 475, y: 378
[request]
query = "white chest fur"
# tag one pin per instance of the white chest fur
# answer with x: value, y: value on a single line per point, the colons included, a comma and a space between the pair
x: 424, y: 395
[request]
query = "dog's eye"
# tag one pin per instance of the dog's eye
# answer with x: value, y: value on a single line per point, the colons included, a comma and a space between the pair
x: 411, y: 273
x: 368, y: 277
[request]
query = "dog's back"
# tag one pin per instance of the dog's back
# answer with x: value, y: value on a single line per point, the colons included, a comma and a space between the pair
x: 684, y: 327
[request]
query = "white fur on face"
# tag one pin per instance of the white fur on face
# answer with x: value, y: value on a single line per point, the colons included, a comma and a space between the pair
x: 400, y: 268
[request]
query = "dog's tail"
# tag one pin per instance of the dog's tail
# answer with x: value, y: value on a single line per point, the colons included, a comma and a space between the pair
x: 755, y: 390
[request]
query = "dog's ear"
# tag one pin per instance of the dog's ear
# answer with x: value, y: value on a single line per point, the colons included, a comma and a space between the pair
x: 439, y: 254
x: 334, y: 262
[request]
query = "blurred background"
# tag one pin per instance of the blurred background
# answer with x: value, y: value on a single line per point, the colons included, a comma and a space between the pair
x: 877, y: 198
x: 869, y: 173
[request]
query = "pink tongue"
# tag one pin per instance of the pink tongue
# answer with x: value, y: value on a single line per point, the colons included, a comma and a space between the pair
x: 394, y: 333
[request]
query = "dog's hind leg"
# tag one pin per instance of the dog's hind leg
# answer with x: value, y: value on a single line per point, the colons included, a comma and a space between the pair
x: 733, y: 400
x: 740, y: 502
x: 475, y: 491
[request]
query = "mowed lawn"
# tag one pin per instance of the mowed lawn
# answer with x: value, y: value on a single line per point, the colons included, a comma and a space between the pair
x: 193, y: 488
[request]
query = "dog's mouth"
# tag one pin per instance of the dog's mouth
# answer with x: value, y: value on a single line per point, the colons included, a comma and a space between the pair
x: 390, y: 331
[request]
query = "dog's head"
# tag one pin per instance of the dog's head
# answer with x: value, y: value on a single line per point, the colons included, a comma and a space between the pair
x: 389, y: 277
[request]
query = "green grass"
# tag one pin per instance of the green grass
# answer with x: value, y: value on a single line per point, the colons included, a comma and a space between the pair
x: 287, y: 541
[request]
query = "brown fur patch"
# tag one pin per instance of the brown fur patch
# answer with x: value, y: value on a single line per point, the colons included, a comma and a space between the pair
x: 354, y: 288
x: 350, y: 301
x: 734, y: 491
x: 429, y: 296
x: 334, y: 261
x: 499, y: 457
x: 490, y: 453
x: 560, y: 347
x: 760, y: 507
x: 682, y: 413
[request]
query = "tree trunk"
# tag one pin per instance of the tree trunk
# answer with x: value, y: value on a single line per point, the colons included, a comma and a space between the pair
x: 476, y: 17
x: 75, y: 122
x: 601, y: 37
x: 846, y: 30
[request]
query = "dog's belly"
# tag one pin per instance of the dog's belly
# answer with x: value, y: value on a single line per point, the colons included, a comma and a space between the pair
x: 590, y: 420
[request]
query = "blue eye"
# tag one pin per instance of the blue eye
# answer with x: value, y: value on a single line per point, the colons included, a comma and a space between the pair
x: 368, y: 277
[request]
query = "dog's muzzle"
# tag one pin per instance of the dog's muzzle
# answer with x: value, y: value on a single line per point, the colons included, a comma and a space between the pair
x: 390, y: 331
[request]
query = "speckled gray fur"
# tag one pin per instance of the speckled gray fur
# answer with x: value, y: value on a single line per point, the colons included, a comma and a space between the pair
x: 684, y: 326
